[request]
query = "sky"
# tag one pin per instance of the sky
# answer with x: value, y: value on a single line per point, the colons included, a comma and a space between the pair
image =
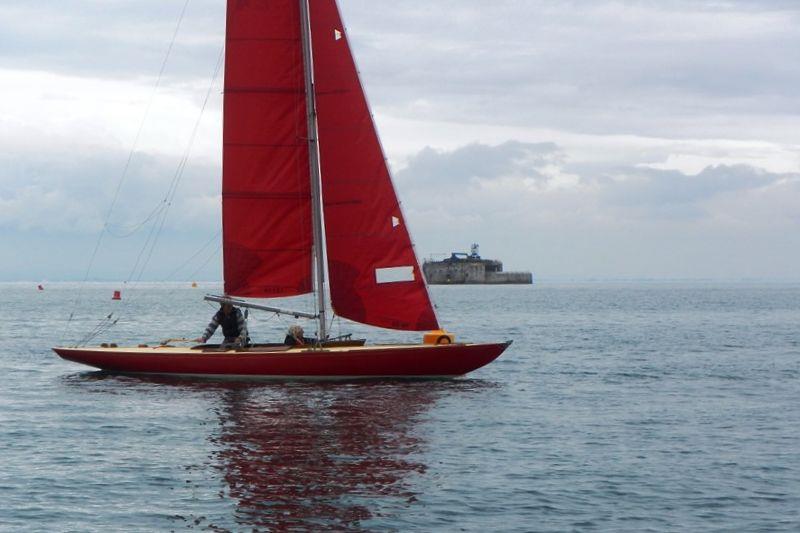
x: 576, y: 139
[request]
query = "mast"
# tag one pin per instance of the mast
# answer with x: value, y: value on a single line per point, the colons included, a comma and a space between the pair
x: 313, y: 156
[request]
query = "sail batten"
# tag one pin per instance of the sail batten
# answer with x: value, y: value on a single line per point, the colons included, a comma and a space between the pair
x: 373, y: 270
x: 266, y: 196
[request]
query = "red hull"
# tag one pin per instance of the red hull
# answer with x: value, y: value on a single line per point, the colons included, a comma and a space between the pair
x: 407, y: 361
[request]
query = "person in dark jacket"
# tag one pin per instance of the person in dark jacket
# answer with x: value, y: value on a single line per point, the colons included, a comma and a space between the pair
x: 294, y: 337
x: 234, y: 326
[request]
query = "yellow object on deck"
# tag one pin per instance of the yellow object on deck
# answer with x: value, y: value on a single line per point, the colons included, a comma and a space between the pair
x: 438, y: 336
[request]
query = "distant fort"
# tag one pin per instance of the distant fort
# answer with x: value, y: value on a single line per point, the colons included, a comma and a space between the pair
x: 462, y: 268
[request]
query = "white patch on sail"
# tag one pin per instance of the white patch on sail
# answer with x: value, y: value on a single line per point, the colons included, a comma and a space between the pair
x: 394, y: 274
x: 337, y: 34
x: 395, y: 222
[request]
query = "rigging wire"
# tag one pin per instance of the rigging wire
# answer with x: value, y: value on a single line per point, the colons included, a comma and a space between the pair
x: 176, y: 180
x: 194, y: 256
x: 146, y: 251
x: 125, y: 169
x: 131, y: 230
x: 106, y: 324
x: 208, y: 260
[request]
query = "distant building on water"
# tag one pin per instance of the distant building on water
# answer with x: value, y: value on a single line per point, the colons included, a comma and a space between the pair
x: 463, y: 268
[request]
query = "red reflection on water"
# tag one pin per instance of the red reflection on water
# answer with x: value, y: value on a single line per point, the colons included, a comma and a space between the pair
x: 316, y: 457
x: 308, y: 457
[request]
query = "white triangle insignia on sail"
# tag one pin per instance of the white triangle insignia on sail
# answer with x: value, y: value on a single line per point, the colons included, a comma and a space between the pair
x: 337, y: 34
x: 395, y: 222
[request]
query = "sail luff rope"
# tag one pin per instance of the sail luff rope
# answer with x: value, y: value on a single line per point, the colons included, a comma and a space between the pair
x: 124, y: 174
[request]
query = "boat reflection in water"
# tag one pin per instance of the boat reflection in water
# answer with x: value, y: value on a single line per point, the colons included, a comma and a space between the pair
x: 286, y: 456
x: 323, y: 456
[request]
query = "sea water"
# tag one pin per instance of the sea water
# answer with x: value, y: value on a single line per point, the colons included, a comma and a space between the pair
x: 620, y: 406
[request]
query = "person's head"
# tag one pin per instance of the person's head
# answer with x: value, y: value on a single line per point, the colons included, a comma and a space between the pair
x: 296, y: 331
x: 226, y: 308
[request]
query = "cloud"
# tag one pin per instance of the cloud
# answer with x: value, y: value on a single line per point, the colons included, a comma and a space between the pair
x: 525, y: 172
x: 526, y: 203
x: 651, y: 189
x: 580, y: 138
x: 570, y: 217
x: 673, y: 68
x: 670, y: 68
x: 113, y: 40
x: 53, y: 205
x: 71, y: 192
x: 435, y: 168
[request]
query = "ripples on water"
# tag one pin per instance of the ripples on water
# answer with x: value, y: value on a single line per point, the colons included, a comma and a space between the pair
x: 619, y: 407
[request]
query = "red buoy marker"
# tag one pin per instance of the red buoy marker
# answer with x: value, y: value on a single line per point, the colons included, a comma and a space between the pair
x: 117, y: 295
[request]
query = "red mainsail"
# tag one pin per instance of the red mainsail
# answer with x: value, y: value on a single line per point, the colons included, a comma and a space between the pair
x: 374, y: 273
x: 266, y: 198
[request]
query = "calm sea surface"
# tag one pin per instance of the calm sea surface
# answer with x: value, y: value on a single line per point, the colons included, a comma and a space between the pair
x: 638, y: 407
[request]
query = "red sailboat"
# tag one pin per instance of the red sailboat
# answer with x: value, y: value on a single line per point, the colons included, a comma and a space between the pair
x: 305, y: 179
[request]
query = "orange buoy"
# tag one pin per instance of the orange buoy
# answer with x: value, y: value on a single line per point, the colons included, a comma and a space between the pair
x: 194, y: 284
x: 117, y: 295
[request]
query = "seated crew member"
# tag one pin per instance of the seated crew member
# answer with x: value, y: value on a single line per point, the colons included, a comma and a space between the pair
x: 294, y: 337
x: 234, y: 327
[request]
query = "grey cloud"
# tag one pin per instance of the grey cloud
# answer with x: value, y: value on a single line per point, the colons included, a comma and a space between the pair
x: 53, y: 204
x: 69, y: 192
x: 663, y: 69
x: 670, y: 189
x: 61, y: 192
x: 684, y: 69
x: 613, y: 192
x: 671, y: 68
x: 621, y: 221
x: 111, y: 39
x: 432, y: 168
x: 617, y: 221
